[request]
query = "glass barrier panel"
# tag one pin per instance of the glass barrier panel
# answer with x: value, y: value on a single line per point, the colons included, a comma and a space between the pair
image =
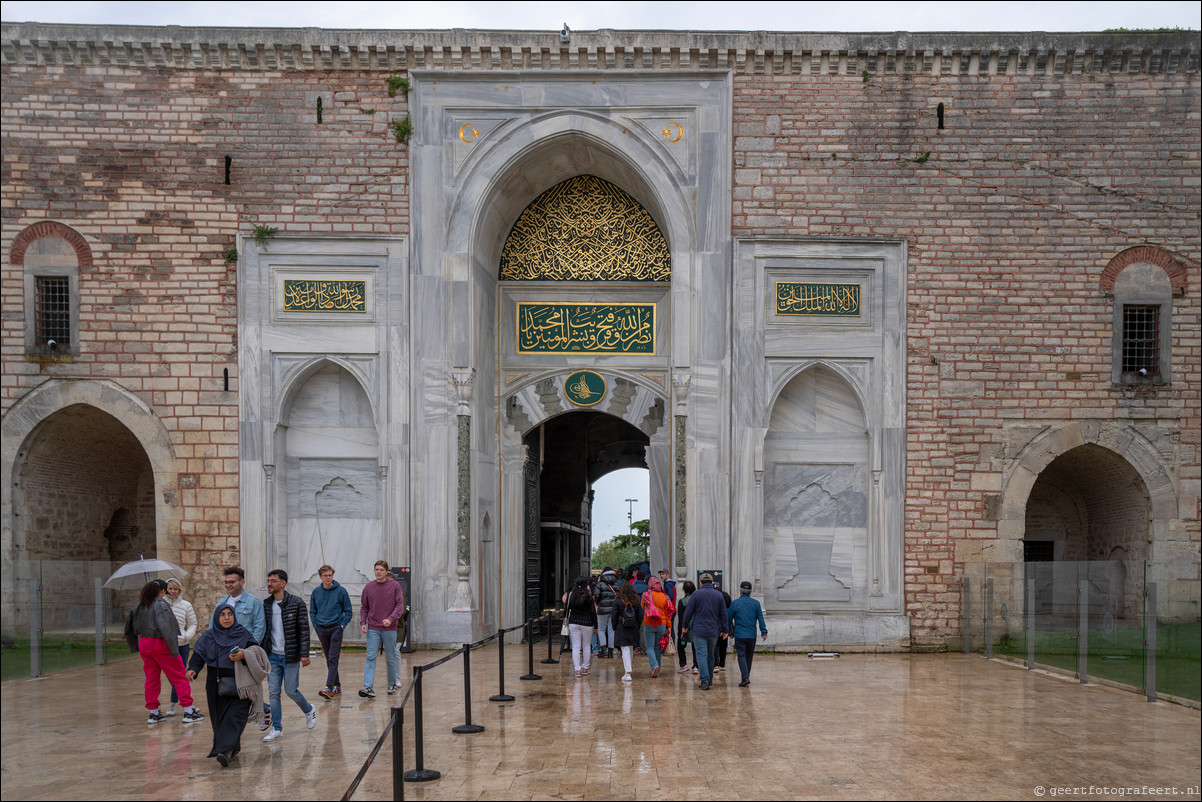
x: 1176, y: 630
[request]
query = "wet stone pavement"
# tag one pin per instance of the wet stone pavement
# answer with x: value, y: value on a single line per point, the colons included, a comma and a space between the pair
x: 944, y: 726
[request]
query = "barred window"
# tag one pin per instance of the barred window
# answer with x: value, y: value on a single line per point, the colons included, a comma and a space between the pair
x: 1141, y: 339
x: 54, y: 310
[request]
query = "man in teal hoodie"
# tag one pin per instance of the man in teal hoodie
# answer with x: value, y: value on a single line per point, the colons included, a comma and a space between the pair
x: 330, y: 611
x: 745, y: 613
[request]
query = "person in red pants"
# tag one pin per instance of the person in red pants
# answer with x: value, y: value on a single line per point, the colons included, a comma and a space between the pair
x: 153, y: 632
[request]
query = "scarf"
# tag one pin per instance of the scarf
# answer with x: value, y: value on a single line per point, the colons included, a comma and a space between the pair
x: 216, y: 643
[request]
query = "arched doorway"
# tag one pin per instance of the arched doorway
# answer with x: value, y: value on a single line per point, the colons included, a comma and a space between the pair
x: 83, y: 492
x: 572, y: 451
x: 1089, y: 505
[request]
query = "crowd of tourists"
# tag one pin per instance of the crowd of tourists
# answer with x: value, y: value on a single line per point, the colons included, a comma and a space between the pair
x: 249, y: 640
x: 637, y: 614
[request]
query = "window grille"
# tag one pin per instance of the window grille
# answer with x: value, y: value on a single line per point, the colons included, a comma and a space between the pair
x: 1141, y: 339
x: 54, y: 310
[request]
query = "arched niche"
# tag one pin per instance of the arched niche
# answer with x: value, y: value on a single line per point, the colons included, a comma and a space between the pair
x: 327, y: 461
x: 816, y: 494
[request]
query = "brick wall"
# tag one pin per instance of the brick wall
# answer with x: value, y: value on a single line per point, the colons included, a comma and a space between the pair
x: 135, y: 162
x: 1011, y: 212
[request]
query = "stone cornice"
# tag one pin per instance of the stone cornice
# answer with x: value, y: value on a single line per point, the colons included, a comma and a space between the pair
x: 753, y: 52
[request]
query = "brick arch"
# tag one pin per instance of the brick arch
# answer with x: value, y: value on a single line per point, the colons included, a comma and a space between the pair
x: 49, y: 228
x: 1142, y: 254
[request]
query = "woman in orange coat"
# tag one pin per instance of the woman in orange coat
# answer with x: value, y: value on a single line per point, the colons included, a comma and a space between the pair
x: 657, y: 614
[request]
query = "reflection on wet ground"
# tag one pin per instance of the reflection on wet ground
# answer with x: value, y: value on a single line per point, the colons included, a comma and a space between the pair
x: 861, y: 726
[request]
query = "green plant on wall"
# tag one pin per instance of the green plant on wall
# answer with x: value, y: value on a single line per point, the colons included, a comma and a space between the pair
x: 230, y: 255
x: 263, y: 234
x: 402, y: 129
x: 921, y: 158
x: 398, y: 83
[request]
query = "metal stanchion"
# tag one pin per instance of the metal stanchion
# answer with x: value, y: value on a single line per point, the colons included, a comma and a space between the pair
x: 550, y: 637
x: 398, y: 753
x: 419, y: 774
x: 500, y: 695
x: 467, y: 727
x: 530, y: 649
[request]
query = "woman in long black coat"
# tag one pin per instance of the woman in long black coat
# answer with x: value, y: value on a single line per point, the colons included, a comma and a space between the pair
x: 216, y: 649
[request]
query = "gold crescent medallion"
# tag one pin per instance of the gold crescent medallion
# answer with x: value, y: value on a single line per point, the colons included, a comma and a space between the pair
x: 464, y: 133
x: 667, y: 132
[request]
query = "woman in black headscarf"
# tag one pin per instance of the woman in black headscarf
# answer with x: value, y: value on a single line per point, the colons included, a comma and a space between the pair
x: 218, y: 648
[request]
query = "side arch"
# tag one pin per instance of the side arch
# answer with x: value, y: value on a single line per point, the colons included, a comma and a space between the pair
x: 58, y: 394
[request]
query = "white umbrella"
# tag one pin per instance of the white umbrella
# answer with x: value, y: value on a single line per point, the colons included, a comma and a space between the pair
x: 134, y: 575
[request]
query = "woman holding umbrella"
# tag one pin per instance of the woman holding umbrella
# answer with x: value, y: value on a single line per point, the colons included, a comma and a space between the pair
x: 219, y: 648
x: 156, y: 631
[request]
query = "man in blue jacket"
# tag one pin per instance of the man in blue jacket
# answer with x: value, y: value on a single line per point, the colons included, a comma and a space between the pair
x: 705, y: 617
x: 330, y: 611
x: 745, y: 613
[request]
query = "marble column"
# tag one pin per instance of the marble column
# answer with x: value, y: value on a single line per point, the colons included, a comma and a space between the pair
x: 680, y: 386
x: 463, y: 504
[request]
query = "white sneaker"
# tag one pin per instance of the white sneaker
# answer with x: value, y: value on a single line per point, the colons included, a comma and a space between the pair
x: 170, y: 711
x: 274, y: 735
x: 627, y: 678
x: 311, y: 718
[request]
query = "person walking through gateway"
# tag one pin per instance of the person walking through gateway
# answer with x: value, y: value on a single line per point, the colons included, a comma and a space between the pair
x: 657, y: 617
x: 745, y: 613
x: 152, y: 631
x: 217, y: 650
x: 607, y: 597
x: 705, y: 618
x: 380, y: 611
x: 330, y: 610
x: 581, y: 610
x: 688, y: 588
x: 628, y: 625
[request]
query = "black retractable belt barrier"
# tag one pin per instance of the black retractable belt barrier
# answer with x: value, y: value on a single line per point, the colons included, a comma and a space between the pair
x: 500, y: 695
x: 467, y: 727
x: 398, y: 753
x: 530, y: 649
x: 550, y: 637
x: 419, y: 774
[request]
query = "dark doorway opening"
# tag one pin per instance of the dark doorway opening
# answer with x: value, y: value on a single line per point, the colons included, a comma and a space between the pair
x: 565, y: 456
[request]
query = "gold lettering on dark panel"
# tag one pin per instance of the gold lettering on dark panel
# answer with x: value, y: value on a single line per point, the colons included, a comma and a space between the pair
x: 577, y: 328
x: 318, y: 295
x: 804, y: 298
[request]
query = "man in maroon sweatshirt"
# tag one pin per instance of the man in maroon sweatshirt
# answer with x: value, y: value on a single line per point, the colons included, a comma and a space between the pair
x: 381, y: 608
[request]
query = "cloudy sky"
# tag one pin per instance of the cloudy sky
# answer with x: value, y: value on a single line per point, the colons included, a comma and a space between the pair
x: 795, y: 16
x: 610, y: 508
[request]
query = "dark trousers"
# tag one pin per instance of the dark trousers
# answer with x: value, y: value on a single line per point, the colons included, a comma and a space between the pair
x: 745, y: 649
x: 331, y: 644
x: 721, y: 659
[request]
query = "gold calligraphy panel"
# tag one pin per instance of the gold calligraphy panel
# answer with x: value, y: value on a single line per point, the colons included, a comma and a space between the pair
x: 585, y: 229
x: 806, y: 298
x: 579, y: 328
x: 306, y: 295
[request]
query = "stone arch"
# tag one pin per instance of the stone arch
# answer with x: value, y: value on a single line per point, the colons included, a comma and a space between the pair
x: 630, y: 397
x: 295, y: 377
x: 1148, y: 255
x: 817, y: 506
x: 50, y: 228
x: 510, y: 172
x: 23, y: 420
x: 786, y: 377
x: 327, y: 464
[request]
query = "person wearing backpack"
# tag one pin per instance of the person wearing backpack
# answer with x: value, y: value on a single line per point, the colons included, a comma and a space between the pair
x: 607, y: 600
x: 628, y: 624
x: 581, y: 610
x: 657, y: 617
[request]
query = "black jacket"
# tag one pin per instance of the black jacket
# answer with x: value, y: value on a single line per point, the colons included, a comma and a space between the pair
x: 296, y: 627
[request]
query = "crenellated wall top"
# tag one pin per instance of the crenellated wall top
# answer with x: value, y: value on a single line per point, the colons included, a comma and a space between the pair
x: 752, y: 52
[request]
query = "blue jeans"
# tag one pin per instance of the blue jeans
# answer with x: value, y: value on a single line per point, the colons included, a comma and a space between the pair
x: 375, y: 637
x: 184, y: 651
x: 286, y: 675
x: 707, y: 649
x: 651, y: 636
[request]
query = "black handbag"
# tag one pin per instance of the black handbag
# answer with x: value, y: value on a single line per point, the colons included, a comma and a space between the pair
x: 227, y: 686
